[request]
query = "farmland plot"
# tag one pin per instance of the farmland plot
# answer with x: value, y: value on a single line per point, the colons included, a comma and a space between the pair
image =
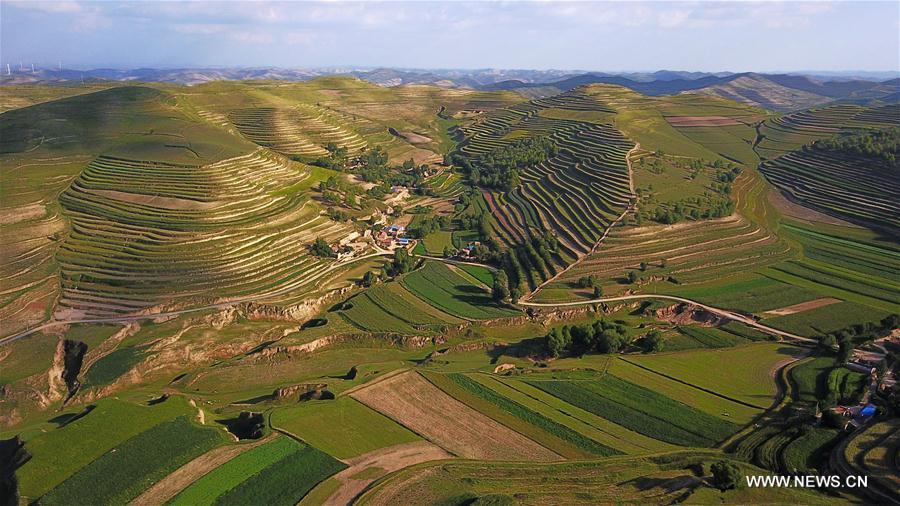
x: 414, y: 402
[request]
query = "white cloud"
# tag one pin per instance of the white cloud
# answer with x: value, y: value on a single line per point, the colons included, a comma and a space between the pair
x: 199, y: 28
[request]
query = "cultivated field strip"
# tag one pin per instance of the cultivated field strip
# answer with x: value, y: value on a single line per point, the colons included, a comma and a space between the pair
x: 218, y: 230
x: 737, y: 244
x: 300, y: 130
x: 848, y: 188
x: 779, y: 136
x: 575, y: 195
x: 412, y: 401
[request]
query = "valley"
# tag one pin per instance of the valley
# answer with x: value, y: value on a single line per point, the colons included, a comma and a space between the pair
x: 327, y: 291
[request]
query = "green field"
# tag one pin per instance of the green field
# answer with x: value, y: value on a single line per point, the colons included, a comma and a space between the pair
x: 639, y: 480
x: 286, y: 481
x: 76, y: 445
x: 136, y: 464
x: 641, y: 410
x: 343, y: 427
x: 436, y: 284
x: 743, y: 374
x: 531, y: 416
x: 197, y: 214
x: 700, y: 399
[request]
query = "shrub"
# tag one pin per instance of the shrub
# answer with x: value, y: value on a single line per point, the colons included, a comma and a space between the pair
x: 725, y: 475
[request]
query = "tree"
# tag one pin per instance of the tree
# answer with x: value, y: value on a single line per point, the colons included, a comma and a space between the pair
x: 643, y: 266
x: 663, y: 263
x: 725, y: 475
x: 501, y: 286
x: 403, y: 262
x: 653, y: 341
x: 369, y: 278
x: 556, y: 342
x: 320, y: 248
x: 845, y: 348
x: 632, y: 277
x: 598, y: 291
x: 514, y: 295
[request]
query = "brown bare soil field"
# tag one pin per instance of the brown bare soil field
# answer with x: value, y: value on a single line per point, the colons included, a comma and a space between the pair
x: 173, y: 203
x: 803, y: 306
x: 22, y: 213
x: 791, y: 208
x: 412, y: 401
x: 388, y: 459
x: 698, y: 121
x: 174, y: 483
x: 415, y: 138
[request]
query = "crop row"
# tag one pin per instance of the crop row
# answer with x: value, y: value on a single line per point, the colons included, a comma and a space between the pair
x: 531, y: 416
x: 215, y: 230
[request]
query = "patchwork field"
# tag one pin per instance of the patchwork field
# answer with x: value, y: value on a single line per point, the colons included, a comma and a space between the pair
x: 417, y: 404
x: 226, y: 237
x: 657, y: 479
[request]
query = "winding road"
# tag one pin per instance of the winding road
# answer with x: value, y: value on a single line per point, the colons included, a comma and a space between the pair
x: 746, y: 320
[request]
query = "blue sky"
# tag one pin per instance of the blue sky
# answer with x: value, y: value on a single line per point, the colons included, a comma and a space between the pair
x: 613, y: 36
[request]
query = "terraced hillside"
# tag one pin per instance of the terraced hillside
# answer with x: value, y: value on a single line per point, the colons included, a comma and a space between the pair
x: 145, y: 232
x: 857, y: 187
x: 301, y: 118
x: 781, y: 135
x: 302, y: 130
x: 576, y: 194
x: 46, y: 146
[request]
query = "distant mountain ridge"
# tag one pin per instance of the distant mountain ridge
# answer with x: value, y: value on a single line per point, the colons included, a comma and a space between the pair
x: 779, y: 92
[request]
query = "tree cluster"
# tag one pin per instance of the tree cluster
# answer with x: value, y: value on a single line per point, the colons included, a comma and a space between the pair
x: 320, y: 248
x: 500, y: 168
x: 423, y: 227
x: 848, y: 338
x: 600, y: 337
x: 883, y: 145
x: 402, y: 263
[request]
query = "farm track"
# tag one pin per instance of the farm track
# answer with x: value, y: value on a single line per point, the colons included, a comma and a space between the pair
x: 606, y: 232
x: 719, y: 312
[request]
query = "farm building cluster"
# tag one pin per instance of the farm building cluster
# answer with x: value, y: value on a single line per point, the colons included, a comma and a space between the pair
x: 392, y: 236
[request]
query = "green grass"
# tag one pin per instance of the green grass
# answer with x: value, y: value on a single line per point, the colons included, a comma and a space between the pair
x: 584, y: 422
x: 615, y: 480
x: 232, y: 473
x: 532, y: 417
x: 286, y: 481
x: 811, y: 378
x: 110, y: 367
x: 135, y: 465
x: 641, y: 410
x: 343, y: 427
x: 58, y: 454
x: 391, y: 308
x: 754, y: 295
x: 435, y: 242
x: 826, y: 319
